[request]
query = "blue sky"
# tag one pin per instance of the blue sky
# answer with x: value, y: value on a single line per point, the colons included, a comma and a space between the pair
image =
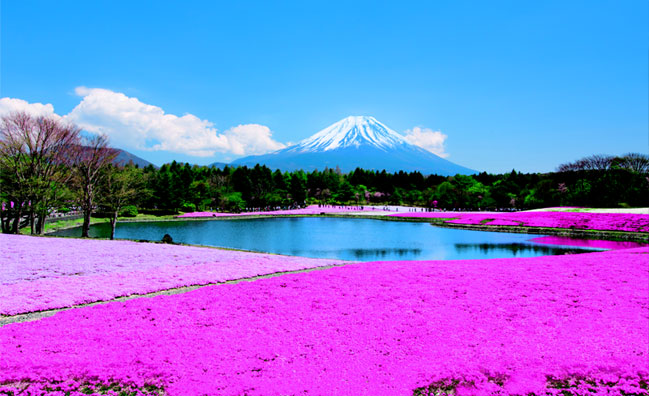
x: 524, y: 85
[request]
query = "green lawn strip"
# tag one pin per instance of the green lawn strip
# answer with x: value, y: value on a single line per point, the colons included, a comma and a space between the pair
x: 145, y: 217
x: 56, y: 225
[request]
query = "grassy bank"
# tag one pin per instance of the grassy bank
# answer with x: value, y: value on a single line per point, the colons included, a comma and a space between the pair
x: 58, y: 225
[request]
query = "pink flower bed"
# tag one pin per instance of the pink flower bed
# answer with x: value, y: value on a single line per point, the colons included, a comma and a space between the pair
x: 309, y: 210
x: 46, y: 273
x: 582, y: 221
x: 501, y: 326
x: 591, y: 243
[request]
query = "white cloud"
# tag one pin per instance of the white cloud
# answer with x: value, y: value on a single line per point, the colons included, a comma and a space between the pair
x: 130, y: 123
x: 9, y: 105
x: 427, y: 139
x: 251, y: 139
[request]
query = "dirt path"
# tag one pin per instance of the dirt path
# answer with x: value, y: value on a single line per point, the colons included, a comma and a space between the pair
x: 31, y: 316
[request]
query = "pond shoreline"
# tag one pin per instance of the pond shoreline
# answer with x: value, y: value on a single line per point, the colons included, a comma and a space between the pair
x: 630, y: 236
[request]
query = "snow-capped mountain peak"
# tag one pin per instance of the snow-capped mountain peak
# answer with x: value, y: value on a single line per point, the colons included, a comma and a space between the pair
x: 356, y: 142
x: 353, y: 131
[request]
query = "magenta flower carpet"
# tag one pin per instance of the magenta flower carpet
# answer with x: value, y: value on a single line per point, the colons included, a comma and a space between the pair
x: 309, y: 210
x: 46, y: 273
x: 580, y: 221
x: 542, y: 325
x: 589, y: 243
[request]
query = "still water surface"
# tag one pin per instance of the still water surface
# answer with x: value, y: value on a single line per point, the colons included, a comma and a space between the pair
x: 338, y: 238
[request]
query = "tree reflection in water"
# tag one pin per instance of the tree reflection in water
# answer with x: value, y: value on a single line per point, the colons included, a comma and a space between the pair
x: 517, y: 248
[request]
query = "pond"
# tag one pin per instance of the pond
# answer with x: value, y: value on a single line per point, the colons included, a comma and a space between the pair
x: 337, y: 238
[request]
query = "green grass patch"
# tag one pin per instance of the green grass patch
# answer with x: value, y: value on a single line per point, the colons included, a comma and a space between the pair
x: 55, y: 225
x: 52, y: 226
x: 146, y: 217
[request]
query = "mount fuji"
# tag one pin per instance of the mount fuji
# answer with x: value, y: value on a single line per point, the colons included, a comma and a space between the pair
x: 356, y: 142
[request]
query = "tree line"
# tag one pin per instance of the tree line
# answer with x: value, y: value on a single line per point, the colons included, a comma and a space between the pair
x: 184, y: 187
x: 47, y: 165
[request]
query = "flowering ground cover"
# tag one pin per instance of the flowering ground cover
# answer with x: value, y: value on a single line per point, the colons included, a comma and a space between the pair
x: 592, y: 210
x: 46, y: 273
x: 309, y: 210
x: 581, y: 221
x: 589, y: 243
x: 541, y: 325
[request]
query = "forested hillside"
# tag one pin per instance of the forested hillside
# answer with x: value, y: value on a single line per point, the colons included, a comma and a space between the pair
x: 183, y: 187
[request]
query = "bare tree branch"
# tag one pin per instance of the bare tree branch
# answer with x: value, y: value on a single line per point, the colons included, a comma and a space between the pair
x: 92, y: 157
x: 34, y: 156
x: 634, y: 162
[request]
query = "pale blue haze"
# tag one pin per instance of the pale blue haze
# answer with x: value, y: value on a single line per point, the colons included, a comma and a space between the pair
x: 524, y: 85
x: 356, y: 142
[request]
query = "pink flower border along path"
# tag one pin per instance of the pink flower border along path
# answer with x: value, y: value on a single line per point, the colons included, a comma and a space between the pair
x: 542, y: 325
x: 47, y: 273
x: 624, y: 222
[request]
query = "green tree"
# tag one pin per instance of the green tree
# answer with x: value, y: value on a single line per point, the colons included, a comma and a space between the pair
x: 345, y: 192
x: 120, y: 186
x: 199, y: 194
x: 35, y: 154
x: 297, y: 187
x: 446, y: 194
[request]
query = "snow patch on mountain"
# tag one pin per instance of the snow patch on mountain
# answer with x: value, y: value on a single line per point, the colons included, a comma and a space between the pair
x: 352, y: 131
x: 359, y: 142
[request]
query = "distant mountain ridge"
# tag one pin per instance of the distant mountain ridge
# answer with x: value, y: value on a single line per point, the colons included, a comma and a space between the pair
x: 124, y: 157
x: 219, y: 165
x: 356, y: 142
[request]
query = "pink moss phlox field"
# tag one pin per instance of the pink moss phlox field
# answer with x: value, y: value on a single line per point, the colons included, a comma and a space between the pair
x: 499, y: 326
x: 591, y: 243
x: 79, y: 388
x: 582, y: 221
x: 309, y: 210
x: 47, y: 273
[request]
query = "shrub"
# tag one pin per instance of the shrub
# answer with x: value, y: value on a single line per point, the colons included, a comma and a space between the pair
x: 188, y: 207
x: 128, y: 211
